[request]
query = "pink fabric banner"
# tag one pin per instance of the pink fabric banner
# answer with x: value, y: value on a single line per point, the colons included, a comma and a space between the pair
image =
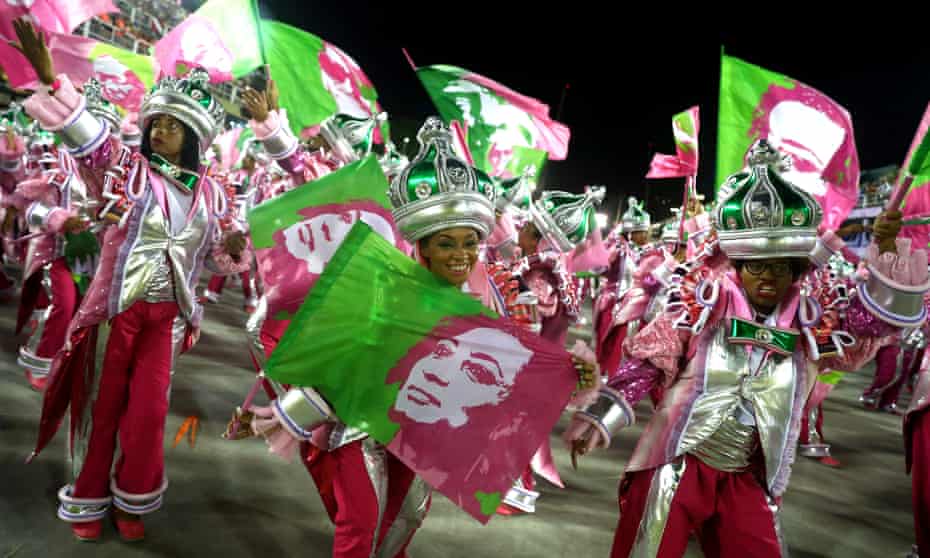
x: 477, y: 398
x: 59, y: 16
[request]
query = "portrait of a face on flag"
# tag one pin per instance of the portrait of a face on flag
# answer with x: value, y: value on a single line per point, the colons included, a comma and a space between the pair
x: 462, y: 396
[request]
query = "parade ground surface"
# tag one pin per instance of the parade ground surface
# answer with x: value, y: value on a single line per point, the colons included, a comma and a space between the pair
x: 234, y: 499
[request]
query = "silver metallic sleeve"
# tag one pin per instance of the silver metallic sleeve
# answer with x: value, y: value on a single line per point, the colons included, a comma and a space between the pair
x: 11, y: 165
x: 38, y: 213
x: 84, y: 134
x: 301, y: 410
x: 281, y: 144
x: 663, y: 274
x: 610, y: 413
x: 892, y: 302
x: 821, y: 254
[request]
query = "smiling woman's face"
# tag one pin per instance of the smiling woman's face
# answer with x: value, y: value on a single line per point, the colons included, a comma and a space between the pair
x: 451, y: 254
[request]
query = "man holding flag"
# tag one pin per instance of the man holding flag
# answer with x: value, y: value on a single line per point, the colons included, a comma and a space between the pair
x: 737, y: 353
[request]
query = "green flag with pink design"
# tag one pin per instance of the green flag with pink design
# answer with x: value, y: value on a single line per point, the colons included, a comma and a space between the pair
x: 504, y: 131
x: 811, y: 129
x: 462, y: 396
x: 914, y: 186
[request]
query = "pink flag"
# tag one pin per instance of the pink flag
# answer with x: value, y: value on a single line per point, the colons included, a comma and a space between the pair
x: 471, y: 439
x: 668, y: 166
x: 195, y: 42
x: 685, y: 126
x: 124, y: 76
x: 353, y: 92
x: 59, y: 16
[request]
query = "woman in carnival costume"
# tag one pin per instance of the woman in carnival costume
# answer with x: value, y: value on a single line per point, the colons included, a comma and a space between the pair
x: 629, y: 242
x: 162, y: 219
x: 445, y: 209
x: 58, y: 207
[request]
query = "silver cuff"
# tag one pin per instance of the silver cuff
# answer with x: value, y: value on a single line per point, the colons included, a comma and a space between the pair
x: 34, y: 363
x: 11, y: 165
x: 131, y: 140
x: 80, y: 510
x: 85, y: 134
x: 139, y: 504
x: 521, y: 498
x: 37, y: 215
x: 610, y: 412
x: 663, y: 274
x: 281, y: 144
x: 301, y: 410
x: 821, y: 254
x: 893, y: 303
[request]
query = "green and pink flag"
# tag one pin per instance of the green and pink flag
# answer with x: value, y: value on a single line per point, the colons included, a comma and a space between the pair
x: 913, y: 188
x: 124, y: 76
x: 504, y: 131
x: 315, y: 78
x: 462, y: 396
x: 222, y: 37
x: 685, y: 126
x: 813, y: 130
x: 296, y: 234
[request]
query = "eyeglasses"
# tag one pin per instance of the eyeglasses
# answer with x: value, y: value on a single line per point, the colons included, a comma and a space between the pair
x: 779, y: 269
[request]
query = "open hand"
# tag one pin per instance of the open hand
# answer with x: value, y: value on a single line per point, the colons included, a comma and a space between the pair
x: 273, y: 94
x: 234, y: 243
x: 32, y: 45
x: 256, y: 103
x: 886, y: 229
x: 586, y: 373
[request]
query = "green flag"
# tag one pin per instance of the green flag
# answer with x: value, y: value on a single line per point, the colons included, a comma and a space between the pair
x: 352, y: 320
x: 293, y: 56
x: 504, y: 131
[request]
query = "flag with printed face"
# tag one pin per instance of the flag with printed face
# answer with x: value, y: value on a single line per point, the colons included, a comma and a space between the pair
x: 505, y: 131
x: 296, y: 233
x: 462, y: 396
x: 813, y: 130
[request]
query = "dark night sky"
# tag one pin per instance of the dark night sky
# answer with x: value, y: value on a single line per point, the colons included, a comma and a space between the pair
x: 628, y: 73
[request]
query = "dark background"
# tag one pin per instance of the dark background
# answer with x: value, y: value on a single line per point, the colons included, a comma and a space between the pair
x: 616, y: 75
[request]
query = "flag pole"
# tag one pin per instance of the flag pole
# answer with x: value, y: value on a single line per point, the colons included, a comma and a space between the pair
x: 558, y: 113
x: 689, y: 184
x: 266, y: 70
x: 409, y: 59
